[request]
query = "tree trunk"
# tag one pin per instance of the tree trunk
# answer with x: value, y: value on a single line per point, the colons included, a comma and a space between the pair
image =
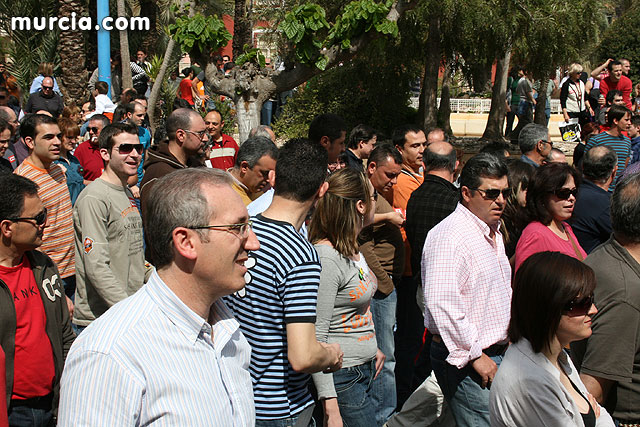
x: 248, y: 114
x: 125, y: 56
x: 494, y: 129
x: 71, y: 46
x: 241, y: 28
x: 157, y: 85
x: 429, y: 95
x: 150, y: 10
x: 444, y: 111
x: 541, y: 102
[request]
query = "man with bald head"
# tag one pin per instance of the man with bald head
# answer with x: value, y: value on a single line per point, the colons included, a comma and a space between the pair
x: 224, y: 149
x: 429, y: 204
x: 17, y: 150
x: 45, y: 99
x: 188, y: 136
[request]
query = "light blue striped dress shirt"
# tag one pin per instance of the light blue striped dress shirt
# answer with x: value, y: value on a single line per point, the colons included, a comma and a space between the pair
x: 150, y: 360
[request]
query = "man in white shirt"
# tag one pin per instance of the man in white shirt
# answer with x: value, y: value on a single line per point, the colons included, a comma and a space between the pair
x: 173, y: 354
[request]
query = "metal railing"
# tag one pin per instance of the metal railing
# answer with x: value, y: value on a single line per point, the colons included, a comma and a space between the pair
x: 478, y: 105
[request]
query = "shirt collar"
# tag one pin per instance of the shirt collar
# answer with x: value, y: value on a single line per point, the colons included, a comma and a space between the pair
x: 185, y: 319
x: 482, y: 226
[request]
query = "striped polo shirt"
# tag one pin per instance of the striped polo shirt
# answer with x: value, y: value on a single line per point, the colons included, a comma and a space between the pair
x: 620, y: 144
x: 58, y: 240
x: 282, y: 288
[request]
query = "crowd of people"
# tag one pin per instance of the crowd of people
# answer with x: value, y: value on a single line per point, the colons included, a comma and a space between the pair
x: 347, y: 278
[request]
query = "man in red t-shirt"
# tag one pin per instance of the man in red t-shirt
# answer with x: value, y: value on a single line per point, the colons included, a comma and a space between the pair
x: 616, y: 81
x: 224, y: 149
x: 35, y: 331
x: 88, y: 153
x: 184, y: 90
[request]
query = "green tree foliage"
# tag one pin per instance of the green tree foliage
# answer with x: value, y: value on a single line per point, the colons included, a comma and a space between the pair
x: 373, y: 89
x: 622, y: 40
x: 199, y: 34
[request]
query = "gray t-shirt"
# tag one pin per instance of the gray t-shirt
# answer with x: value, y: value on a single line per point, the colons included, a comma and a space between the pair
x: 343, y: 314
x: 109, y: 249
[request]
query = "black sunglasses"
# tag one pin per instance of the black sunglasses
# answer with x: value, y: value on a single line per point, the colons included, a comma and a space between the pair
x: 565, y: 193
x: 40, y: 219
x: 128, y: 148
x: 578, y: 306
x: 93, y: 129
x: 494, y: 193
x: 47, y: 87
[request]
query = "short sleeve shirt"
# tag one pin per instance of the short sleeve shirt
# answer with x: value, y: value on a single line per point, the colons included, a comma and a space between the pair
x: 282, y: 287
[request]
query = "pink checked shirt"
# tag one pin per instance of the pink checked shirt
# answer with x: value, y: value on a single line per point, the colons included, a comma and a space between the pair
x: 466, y: 279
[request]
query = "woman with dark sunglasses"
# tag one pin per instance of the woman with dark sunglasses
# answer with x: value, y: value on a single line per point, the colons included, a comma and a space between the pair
x: 537, y: 383
x: 344, y: 295
x: 551, y: 196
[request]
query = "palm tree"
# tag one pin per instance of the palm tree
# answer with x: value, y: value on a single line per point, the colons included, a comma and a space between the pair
x: 73, y: 58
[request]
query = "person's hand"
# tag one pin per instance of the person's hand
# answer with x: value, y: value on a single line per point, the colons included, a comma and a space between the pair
x: 566, y: 117
x: 608, y: 61
x: 601, y: 100
x: 205, y: 97
x: 486, y: 368
x: 594, y: 404
x: 332, y: 417
x: 335, y: 357
x: 395, y: 218
x: 380, y: 358
x: 135, y: 191
x: 591, y: 111
x: 70, y: 306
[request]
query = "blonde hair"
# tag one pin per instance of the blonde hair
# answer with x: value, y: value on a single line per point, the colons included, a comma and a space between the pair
x: 46, y: 69
x: 336, y: 217
x: 575, y: 68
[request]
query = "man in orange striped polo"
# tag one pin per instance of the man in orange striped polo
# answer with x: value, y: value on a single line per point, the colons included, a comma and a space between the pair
x: 42, y: 136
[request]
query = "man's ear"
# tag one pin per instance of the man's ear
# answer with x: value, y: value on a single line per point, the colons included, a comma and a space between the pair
x: 325, y: 142
x: 323, y: 189
x: 244, y: 166
x: 466, y: 193
x: 184, y: 243
x: 104, y: 153
x: 371, y: 168
x: 29, y: 142
x: 5, y: 228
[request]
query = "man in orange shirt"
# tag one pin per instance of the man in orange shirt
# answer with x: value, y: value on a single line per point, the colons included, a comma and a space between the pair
x: 42, y: 136
x: 410, y: 141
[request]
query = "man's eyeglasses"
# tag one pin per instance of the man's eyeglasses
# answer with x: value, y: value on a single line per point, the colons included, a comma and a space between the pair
x: 494, y: 193
x: 40, y: 219
x: 47, y: 87
x: 200, y: 134
x: 544, y: 141
x: 578, y: 306
x: 241, y: 229
x: 128, y: 148
x: 565, y: 193
x: 93, y: 129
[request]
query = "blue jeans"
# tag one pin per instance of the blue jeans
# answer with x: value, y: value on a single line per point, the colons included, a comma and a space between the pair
x: 287, y: 422
x: 24, y: 416
x: 468, y: 401
x: 383, y: 391
x: 353, y: 386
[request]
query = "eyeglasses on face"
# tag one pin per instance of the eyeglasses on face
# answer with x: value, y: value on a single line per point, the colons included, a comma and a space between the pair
x: 128, y: 148
x: 241, y: 229
x: 47, y: 87
x: 200, y: 134
x: 565, y: 193
x: 578, y: 306
x: 93, y: 129
x: 544, y: 141
x: 39, y: 219
x: 494, y: 193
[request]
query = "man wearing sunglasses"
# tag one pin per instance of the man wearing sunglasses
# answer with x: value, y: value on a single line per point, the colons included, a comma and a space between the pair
x: 35, y: 332
x: 45, y: 99
x: 609, y: 361
x: 88, y: 152
x: 535, y: 144
x: 108, y: 229
x: 466, y: 279
x: 187, y: 139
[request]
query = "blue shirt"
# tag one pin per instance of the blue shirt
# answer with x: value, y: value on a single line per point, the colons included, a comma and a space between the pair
x: 75, y: 175
x: 151, y: 360
x: 620, y: 144
x: 145, y: 139
x: 591, y: 221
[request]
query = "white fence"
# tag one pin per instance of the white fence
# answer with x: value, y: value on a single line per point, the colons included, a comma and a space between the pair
x: 478, y: 105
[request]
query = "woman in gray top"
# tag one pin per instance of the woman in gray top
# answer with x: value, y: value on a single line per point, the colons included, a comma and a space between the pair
x: 346, y: 288
x: 537, y: 384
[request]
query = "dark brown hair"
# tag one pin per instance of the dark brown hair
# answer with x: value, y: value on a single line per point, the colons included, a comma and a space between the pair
x: 544, y: 284
x: 547, y: 179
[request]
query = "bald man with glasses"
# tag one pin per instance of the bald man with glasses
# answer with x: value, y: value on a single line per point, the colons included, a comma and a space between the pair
x: 45, y: 99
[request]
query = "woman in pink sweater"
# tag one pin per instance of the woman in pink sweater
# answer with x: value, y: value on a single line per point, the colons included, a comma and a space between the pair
x: 551, y: 197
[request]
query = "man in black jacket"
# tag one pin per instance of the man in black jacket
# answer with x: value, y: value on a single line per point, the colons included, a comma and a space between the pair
x: 35, y: 331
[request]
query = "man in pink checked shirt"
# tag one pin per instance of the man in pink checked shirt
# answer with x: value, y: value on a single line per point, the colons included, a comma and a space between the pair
x: 466, y: 279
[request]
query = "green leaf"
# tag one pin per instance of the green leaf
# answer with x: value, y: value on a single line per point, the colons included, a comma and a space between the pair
x: 322, y: 62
